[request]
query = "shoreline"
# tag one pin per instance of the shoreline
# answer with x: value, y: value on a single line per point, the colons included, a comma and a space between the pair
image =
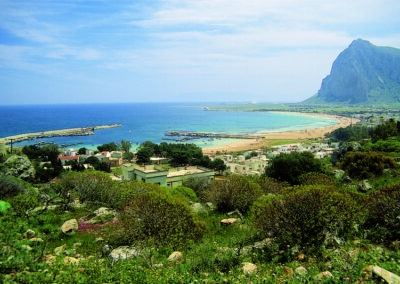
x: 78, y: 131
x: 265, y: 139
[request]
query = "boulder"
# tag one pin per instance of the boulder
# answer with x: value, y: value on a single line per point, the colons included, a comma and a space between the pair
x: 288, y: 271
x: 59, y: 250
x: 322, y: 276
x: 339, y: 174
x: 175, y: 256
x: 301, y: 270
x: 71, y: 260
x: 26, y: 247
x: 374, y: 270
x: 235, y: 214
x: 124, y: 252
x: 364, y: 186
x: 102, y: 214
x: 50, y: 259
x: 229, y: 221
x: 249, y: 268
x: 36, y: 240
x: 19, y: 166
x: 211, y: 206
x: 104, y: 211
x: 29, y: 234
x: 70, y: 227
x: 198, y: 208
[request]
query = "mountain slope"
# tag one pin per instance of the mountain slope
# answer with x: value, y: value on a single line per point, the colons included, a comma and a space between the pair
x: 362, y: 74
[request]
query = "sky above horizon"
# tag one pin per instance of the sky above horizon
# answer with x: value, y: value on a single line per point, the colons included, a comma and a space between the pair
x: 76, y: 51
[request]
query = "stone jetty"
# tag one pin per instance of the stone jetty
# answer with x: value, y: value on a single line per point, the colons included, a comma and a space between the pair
x: 82, y: 131
x: 210, y: 135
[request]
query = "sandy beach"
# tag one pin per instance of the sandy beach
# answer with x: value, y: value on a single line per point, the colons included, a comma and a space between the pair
x: 266, y: 139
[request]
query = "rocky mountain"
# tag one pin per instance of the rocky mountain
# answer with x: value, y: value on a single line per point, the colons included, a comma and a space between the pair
x: 362, y: 74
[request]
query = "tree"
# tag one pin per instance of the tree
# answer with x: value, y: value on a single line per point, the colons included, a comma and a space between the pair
x: 143, y: 155
x: 128, y: 156
x: 82, y: 151
x: 126, y: 146
x: 218, y: 165
x: 108, y: 147
x: 92, y: 160
x: 385, y: 130
x: 289, y: 167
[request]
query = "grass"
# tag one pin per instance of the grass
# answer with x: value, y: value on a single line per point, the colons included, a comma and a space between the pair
x: 215, y: 258
x: 278, y: 142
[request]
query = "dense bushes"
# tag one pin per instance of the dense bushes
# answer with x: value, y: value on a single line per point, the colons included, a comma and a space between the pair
x: 307, y: 216
x: 383, y: 213
x: 160, y: 219
x: 236, y: 192
x: 383, y: 146
x: 289, y: 167
x: 93, y: 186
x: 22, y: 203
x: 87, y: 186
x: 363, y: 164
x: 317, y: 178
x: 271, y: 185
x: 11, y: 186
x: 350, y: 133
x: 184, y: 193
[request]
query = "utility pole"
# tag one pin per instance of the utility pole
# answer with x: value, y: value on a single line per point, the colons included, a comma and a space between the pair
x: 11, y: 145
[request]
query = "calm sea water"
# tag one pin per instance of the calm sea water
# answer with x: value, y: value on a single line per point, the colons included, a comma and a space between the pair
x: 144, y: 121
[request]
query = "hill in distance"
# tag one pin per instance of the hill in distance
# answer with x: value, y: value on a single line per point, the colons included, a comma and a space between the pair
x: 362, y: 74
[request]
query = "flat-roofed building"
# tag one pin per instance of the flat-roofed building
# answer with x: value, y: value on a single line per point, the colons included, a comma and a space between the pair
x: 165, y: 177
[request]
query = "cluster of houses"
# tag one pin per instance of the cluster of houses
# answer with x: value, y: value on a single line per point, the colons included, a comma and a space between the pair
x: 249, y: 163
x: 320, y: 150
x: 114, y: 157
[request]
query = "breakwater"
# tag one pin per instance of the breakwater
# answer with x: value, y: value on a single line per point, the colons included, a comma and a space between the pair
x: 81, y: 131
x: 210, y: 135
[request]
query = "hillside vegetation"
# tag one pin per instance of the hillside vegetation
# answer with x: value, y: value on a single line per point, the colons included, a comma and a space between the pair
x: 303, y: 220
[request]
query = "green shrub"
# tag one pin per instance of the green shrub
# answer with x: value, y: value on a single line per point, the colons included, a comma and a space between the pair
x: 271, y: 185
x: 184, y: 193
x: 289, y: 167
x: 199, y: 186
x: 364, y: 164
x: 11, y: 186
x: 4, y: 206
x: 160, y: 219
x: 21, y: 203
x: 92, y: 186
x: 307, y: 217
x: 383, y: 211
x: 236, y: 192
x: 316, y: 178
x: 123, y: 192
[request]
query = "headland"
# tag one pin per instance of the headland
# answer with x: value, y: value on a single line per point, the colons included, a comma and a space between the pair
x: 81, y: 131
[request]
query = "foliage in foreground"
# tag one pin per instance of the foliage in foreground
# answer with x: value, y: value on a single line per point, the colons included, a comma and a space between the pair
x: 382, y: 221
x: 235, y: 192
x: 306, y: 217
x: 159, y: 219
x: 364, y: 164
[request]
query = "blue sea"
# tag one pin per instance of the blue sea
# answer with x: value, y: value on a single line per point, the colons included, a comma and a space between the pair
x: 145, y: 122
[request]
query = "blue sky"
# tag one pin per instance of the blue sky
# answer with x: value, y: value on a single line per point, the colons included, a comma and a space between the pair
x: 77, y: 51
